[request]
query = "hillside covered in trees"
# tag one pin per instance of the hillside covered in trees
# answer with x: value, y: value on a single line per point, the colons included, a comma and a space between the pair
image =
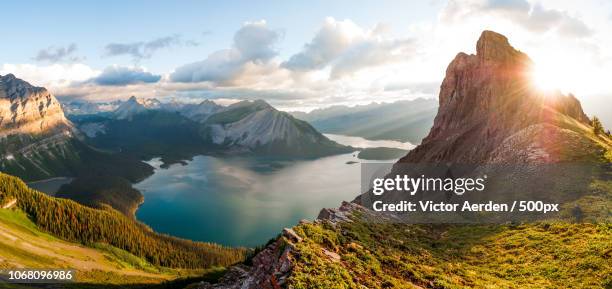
x: 71, y: 221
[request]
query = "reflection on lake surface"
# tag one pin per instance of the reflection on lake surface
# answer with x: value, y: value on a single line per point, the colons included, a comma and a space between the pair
x: 243, y: 201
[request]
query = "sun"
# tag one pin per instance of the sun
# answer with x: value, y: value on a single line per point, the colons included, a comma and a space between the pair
x: 549, y: 78
x: 566, y: 77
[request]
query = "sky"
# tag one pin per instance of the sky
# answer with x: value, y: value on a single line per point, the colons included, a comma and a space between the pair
x: 297, y: 55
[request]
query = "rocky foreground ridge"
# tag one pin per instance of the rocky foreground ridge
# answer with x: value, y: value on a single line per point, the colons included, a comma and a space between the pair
x: 272, y: 266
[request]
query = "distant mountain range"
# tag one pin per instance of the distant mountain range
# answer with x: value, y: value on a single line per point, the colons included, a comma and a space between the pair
x: 86, y: 107
x: 149, y: 128
x: 407, y: 120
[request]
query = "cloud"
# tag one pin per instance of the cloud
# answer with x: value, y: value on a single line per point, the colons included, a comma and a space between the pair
x: 50, y: 76
x: 331, y: 40
x: 122, y: 75
x: 533, y: 17
x: 145, y: 49
x: 348, y: 48
x: 429, y: 87
x: 252, y: 50
x: 371, y: 53
x: 57, y: 54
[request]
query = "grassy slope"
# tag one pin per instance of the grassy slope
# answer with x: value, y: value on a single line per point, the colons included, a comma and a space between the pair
x: 558, y: 254
x: 22, y: 244
x: 385, y: 255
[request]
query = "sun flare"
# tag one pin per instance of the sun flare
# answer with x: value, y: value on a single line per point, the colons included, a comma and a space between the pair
x: 549, y: 78
x: 568, y: 77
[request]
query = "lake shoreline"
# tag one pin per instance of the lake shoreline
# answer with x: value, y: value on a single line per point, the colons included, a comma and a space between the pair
x: 242, y: 201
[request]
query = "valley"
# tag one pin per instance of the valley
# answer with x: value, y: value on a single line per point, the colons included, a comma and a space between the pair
x: 197, y: 179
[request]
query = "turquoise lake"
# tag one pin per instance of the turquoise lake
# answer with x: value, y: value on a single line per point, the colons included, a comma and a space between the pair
x: 243, y: 201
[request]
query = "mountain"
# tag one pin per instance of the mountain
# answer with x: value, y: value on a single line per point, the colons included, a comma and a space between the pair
x: 77, y: 108
x: 38, y: 143
x: 134, y: 106
x: 27, y: 109
x: 36, y: 136
x: 489, y: 113
x: 487, y: 101
x: 256, y: 126
x: 246, y: 127
x: 405, y: 120
x: 200, y: 112
x: 148, y: 134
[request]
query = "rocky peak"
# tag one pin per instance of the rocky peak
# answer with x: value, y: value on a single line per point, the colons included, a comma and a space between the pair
x: 135, y: 105
x: 27, y: 109
x: 485, y: 98
x: 208, y: 104
x: 258, y: 104
x: 12, y: 87
x: 492, y: 46
x: 146, y: 102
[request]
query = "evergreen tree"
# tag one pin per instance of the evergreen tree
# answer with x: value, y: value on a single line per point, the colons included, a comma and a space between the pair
x: 597, y: 126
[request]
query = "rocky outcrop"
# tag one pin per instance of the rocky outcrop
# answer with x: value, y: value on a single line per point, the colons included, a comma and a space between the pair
x: 35, y: 136
x: 269, y: 270
x: 486, y: 98
x: 27, y: 109
x: 272, y: 266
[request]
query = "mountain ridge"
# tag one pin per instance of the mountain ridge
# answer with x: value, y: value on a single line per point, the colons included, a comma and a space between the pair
x: 134, y: 105
x: 484, y: 99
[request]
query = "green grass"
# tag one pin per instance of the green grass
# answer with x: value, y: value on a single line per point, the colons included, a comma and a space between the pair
x: 128, y: 260
x: 384, y: 255
x: 17, y: 219
x: 23, y: 256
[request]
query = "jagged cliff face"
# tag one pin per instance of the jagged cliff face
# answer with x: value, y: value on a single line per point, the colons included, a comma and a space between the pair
x: 27, y: 109
x: 35, y: 136
x: 484, y: 99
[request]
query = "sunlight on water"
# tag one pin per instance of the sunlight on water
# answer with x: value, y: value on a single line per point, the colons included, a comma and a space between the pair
x: 360, y: 142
